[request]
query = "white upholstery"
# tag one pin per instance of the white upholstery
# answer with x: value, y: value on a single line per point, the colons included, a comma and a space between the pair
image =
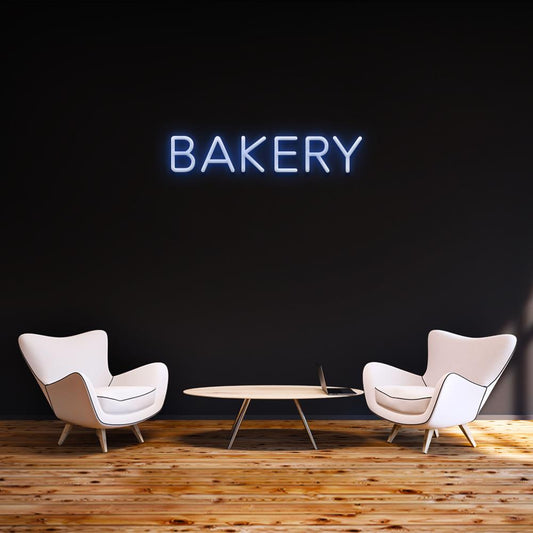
x: 409, y: 399
x: 52, y: 358
x: 74, y: 376
x: 123, y: 400
x: 460, y: 375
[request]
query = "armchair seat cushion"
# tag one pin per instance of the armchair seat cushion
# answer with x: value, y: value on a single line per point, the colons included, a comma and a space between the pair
x: 407, y: 399
x: 125, y: 399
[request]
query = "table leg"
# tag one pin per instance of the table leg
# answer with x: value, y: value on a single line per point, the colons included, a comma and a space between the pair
x: 302, y: 416
x: 238, y: 420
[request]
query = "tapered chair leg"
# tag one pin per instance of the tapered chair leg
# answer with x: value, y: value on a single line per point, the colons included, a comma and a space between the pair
x: 466, y: 431
x: 428, y: 434
x: 102, y: 438
x: 436, y: 433
x: 137, y: 431
x: 64, y: 434
x: 394, y: 432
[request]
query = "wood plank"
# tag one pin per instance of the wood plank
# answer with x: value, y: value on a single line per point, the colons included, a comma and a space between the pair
x: 320, y: 528
x: 177, y: 518
x: 271, y: 476
x: 254, y: 488
x: 220, y: 507
x: 263, y: 497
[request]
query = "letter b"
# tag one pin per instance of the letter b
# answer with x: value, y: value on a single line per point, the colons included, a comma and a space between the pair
x: 174, y: 154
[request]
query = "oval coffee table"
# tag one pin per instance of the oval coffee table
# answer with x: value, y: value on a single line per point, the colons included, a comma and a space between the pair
x: 247, y: 393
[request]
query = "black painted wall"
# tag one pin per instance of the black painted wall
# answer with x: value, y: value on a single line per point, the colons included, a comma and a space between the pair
x: 248, y: 279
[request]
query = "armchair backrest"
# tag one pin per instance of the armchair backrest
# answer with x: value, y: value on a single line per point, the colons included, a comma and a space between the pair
x: 52, y: 358
x: 481, y: 360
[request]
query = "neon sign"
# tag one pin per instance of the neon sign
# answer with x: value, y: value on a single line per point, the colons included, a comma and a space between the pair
x: 315, y: 150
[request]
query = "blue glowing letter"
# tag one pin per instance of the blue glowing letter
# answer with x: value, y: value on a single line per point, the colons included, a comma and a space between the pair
x: 278, y: 153
x: 318, y: 155
x: 245, y: 153
x: 176, y: 153
x: 225, y: 160
x: 348, y: 153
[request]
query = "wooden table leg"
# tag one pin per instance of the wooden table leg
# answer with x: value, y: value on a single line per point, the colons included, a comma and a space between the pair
x: 238, y: 420
x: 302, y: 416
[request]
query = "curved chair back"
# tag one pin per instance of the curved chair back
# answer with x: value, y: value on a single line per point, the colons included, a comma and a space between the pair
x: 52, y: 358
x: 481, y: 360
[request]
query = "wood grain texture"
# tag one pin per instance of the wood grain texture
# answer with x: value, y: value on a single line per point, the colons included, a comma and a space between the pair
x: 183, y: 479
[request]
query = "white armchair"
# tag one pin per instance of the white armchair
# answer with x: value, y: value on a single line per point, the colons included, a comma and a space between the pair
x: 74, y: 375
x: 461, y: 373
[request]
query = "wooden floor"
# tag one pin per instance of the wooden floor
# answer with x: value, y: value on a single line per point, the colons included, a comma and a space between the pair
x: 183, y: 479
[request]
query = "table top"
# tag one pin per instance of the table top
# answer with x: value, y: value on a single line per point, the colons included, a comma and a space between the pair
x: 268, y: 392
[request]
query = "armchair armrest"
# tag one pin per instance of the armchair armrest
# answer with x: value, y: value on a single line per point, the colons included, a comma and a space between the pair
x: 383, y: 374
x: 74, y: 400
x: 456, y: 401
x: 376, y: 374
x: 152, y: 374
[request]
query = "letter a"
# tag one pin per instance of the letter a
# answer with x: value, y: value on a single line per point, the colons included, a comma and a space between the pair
x: 224, y: 161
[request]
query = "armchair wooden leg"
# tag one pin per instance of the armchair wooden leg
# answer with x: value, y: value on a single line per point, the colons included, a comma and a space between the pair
x: 428, y: 434
x: 102, y: 438
x: 137, y: 431
x: 64, y: 434
x: 466, y: 430
x: 436, y: 433
x: 394, y: 432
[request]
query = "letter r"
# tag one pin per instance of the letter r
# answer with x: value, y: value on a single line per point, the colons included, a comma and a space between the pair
x: 317, y: 154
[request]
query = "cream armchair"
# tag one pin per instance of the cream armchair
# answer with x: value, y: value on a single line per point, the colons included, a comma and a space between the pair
x: 74, y: 376
x: 461, y: 373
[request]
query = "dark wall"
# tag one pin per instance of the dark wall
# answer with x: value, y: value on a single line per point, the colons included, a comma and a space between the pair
x: 250, y: 278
